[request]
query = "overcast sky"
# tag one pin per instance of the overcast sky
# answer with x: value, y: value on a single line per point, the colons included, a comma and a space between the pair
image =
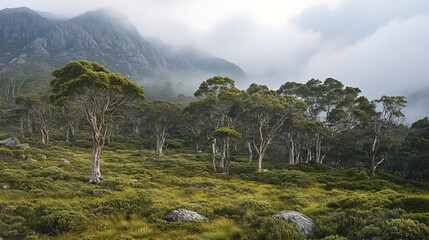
x: 380, y: 46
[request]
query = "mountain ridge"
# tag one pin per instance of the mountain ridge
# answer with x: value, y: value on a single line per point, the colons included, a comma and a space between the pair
x: 30, y: 40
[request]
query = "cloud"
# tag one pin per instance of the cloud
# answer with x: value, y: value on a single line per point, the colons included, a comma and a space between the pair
x: 355, y: 20
x: 378, y: 46
x: 392, y: 61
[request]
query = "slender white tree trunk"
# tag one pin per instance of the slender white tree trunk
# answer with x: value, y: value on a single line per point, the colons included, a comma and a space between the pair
x: 95, y: 162
x: 250, y: 152
x: 214, y: 153
x: 223, y: 155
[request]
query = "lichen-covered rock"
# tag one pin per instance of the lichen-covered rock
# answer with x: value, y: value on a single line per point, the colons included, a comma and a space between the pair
x: 303, y: 223
x: 183, y: 215
x: 14, y: 142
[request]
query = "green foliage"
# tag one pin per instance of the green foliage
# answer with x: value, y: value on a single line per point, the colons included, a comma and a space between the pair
x: 5, y: 153
x: 62, y: 221
x: 77, y: 75
x: 271, y: 229
x: 133, y: 203
x: 334, y: 237
x: 405, y: 229
x: 285, y: 178
x: 369, y: 184
x: 226, y: 132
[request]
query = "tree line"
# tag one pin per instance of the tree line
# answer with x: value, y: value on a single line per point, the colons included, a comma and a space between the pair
x: 317, y: 121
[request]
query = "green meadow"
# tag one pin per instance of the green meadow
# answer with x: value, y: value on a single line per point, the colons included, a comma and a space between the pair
x: 139, y: 189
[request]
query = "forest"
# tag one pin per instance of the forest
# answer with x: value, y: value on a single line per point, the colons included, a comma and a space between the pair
x: 104, y: 162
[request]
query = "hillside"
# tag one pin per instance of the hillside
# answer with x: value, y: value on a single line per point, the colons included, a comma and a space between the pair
x: 139, y: 190
x: 32, y: 46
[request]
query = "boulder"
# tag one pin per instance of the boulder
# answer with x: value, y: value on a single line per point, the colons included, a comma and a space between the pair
x: 14, y: 142
x: 55, y: 168
x: 183, y: 215
x: 303, y: 223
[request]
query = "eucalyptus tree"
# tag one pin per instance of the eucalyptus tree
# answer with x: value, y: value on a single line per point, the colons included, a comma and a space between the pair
x: 379, y: 125
x: 100, y: 93
x: 382, y: 123
x: 226, y: 136
x: 329, y: 97
x: 160, y: 116
x: 40, y: 112
x: 416, y: 150
x: 71, y: 116
x: 197, y: 121
x: 266, y: 112
x: 218, y: 95
x: 312, y: 93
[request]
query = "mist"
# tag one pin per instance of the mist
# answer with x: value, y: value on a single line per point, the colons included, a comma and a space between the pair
x: 378, y: 46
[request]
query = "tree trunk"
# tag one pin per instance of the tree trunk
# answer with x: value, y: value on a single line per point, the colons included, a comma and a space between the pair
x: 227, y: 156
x: 298, y: 155
x: 67, y: 132
x: 223, y: 155
x: 47, y: 136
x: 373, y: 154
x: 261, y: 149
x: 250, y: 152
x: 95, y: 162
x: 214, y: 153
x: 308, y: 154
x: 318, y: 148
x: 291, y: 149
x: 159, y: 144
x: 260, y: 157
x: 43, y: 136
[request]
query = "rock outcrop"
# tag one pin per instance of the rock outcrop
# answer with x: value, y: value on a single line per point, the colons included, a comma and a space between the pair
x: 303, y: 223
x: 14, y: 142
x: 183, y: 215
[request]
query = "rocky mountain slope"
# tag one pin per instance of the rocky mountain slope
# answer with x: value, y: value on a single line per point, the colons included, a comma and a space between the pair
x: 32, y: 44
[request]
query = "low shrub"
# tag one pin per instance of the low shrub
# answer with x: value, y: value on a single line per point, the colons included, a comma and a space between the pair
x: 334, y: 237
x: 132, y: 203
x: 230, y: 211
x: 271, y: 229
x: 63, y: 221
x: 405, y: 229
x: 285, y: 177
x: 368, y: 184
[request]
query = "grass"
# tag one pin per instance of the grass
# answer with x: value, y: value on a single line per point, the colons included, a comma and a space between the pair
x: 140, y: 189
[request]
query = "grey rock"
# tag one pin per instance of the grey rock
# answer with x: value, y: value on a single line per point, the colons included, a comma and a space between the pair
x: 5, y: 186
x: 14, y: 142
x: 23, y: 146
x: 303, y: 223
x: 32, y: 160
x: 183, y: 215
x: 265, y: 170
x: 65, y: 160
x: 55, y: 168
